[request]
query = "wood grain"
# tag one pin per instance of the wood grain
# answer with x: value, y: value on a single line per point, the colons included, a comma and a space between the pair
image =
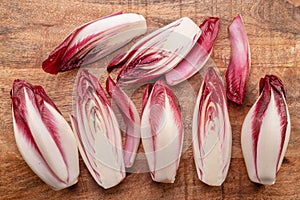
x: 29, y: 30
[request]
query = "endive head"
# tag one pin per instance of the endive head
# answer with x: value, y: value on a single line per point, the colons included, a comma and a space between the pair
x: 157, y: 53
x: 43, y: 136
x: 266, y: 131
x: 162, y: 132
x: 95, y: 40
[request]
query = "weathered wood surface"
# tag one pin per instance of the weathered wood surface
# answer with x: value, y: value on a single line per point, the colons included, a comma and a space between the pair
x: 29, y: 30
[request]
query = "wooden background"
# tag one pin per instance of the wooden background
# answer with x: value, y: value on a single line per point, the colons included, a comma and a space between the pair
x: 29, y: 30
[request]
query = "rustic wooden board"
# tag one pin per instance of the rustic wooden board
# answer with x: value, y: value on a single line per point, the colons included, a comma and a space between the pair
x: 29, y: 30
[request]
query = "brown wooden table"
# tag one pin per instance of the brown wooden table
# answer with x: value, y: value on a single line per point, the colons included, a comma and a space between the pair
x: 29, y: 30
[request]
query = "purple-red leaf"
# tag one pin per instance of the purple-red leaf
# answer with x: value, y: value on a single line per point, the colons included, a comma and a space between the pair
x: 199, y: 55
x: 131, y: 119
x: 238, y: 70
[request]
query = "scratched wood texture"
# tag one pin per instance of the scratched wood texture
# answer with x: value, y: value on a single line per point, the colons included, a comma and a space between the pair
x: 29, y: 30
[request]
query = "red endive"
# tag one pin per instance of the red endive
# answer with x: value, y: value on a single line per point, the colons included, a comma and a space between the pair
x: 131, y: 119
x: 157, y: 53
x: 162, y: 132
x: 43, y: 136
x: 97, y: 132
x: 199, y: 55
x: 212, y: 136
x: 266, y: 132
x: 95, y: 40
x: 238, y: 70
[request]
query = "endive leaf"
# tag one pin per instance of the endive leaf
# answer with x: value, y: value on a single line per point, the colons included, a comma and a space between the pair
x: 199, y: 54
x: 238, y: 69
x: 131, y: 118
